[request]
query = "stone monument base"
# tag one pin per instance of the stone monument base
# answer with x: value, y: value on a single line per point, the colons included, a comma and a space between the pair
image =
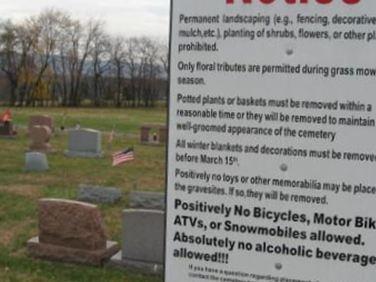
x: 47, y: 152
x: 73, y: 154
x: 72, y: 255
x: 122, y: 263
x: 45, y: 148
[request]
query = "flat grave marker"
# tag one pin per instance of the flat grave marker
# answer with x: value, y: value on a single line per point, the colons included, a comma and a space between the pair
x: 147, y: 200
x: 98, y: 194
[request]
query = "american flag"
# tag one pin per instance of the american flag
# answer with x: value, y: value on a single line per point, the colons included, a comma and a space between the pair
x: 122, y: 157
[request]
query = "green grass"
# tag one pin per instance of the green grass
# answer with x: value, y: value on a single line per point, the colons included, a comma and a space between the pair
x: 124, y: 120
x: 20, y: 191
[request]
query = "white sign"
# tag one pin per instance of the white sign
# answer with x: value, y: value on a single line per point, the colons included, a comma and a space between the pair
x: 272, y: 141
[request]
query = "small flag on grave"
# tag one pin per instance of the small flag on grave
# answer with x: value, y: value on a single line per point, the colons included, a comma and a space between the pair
x: 111, y: 137
x: 122, y: 157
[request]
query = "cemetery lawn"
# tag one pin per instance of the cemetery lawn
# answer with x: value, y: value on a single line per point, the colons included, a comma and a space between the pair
x: 20, y: 191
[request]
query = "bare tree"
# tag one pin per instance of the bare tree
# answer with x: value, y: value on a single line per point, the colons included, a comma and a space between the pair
x: 52, y: 57
x: 164, y: 59
x: 46, y: 28
x: 9, y: 62
x: 100, y: 59
x: 80, y: 48
x: 164, y: 55
x: 60, y: 62
x: 16, y: 43
x: 118, y: 60
x: 133, y: 65
x: 148, y: 69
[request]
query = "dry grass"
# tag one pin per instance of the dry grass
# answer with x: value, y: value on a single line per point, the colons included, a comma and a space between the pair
x: 26, y: 190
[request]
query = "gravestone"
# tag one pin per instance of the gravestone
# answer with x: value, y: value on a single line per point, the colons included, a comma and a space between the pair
x: 153, y: 134
x: 7, y: 129
x: 41, y: 120
x: 144, y: 133
x: 71, y: 231
x: 40, y: 137
x: 147, y: 200
x: 143, y: 241
x: 98, y: 195
x: 85, y: 143
x: 162, y: 134
x: 36, y: 161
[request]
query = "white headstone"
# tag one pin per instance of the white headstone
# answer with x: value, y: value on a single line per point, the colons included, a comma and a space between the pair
x: 35, y: 161
x: 85, y: 143
x: 142, y: 240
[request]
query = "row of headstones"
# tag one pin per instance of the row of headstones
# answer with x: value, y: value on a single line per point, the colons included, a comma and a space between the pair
x: 73, y: 231
x: 83, y: 143
x: 7, y: 129
x: 41, y: 127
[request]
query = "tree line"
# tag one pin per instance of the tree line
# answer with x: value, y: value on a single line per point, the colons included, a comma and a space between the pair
x: 55, y: 59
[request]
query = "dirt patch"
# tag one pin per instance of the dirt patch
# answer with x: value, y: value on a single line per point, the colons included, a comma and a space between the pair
x: 151, y: 184
x: 37, y: 178
x: 8, y: 234
x: 29, y: 191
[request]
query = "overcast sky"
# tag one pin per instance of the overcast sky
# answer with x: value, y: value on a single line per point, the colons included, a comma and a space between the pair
x: 126, y: 17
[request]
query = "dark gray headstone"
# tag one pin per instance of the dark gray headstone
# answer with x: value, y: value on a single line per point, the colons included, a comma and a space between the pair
x: 35, y: 161
x: 147, y: 200
x: 7, y: 130
x: 143, y: 240
x: 85, y: 143
x: 98, y: 195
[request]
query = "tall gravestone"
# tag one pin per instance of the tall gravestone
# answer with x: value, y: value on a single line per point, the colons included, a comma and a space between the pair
x: 40, y: 137
x: 41, y: 120
x: 144, y: 133
x: 153, y: 134
x: 142, y: 241
x: 71, y: 231
x: 162, y: 133
x: 85, y: 143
